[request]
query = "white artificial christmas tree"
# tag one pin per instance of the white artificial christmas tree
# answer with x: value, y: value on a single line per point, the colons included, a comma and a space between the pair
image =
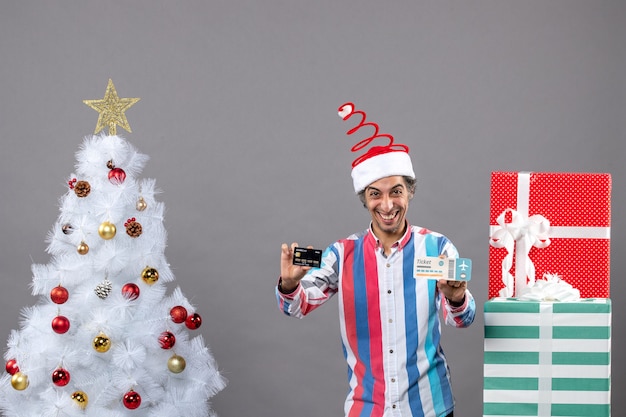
x: 105, y: 337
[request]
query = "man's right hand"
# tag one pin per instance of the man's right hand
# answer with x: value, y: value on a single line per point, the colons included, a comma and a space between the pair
x: 290, y: 274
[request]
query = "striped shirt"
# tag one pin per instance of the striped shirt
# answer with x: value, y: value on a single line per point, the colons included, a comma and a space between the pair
x: 390, y: 326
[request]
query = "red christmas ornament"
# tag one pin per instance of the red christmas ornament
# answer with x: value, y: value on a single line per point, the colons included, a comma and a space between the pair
x: 59, y: 295
x: 132, y: 400
x: 12, y: 367
x: 178, y: 314
x: 117, y: 176
x: 167, y: 340
x: 60, y: 324
x: 194, y: 321
x: 60, y: 377
x: 130, y: 291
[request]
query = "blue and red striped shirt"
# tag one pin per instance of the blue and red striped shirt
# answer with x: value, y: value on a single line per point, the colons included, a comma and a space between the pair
x: 390, y: 326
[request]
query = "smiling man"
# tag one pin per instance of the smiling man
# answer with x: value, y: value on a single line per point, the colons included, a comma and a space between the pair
x: 389, y: 320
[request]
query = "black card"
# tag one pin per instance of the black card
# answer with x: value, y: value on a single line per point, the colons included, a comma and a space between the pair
x: 307, y: 257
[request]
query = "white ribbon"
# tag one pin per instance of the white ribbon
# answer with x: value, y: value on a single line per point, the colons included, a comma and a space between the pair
x: 544, y: 394
x: 523, y: 232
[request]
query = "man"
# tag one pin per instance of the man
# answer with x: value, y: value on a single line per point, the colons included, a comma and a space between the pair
x: 389, y: 320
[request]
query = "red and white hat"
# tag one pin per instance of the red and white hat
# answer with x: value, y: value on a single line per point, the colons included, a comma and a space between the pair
x: 379, y: 161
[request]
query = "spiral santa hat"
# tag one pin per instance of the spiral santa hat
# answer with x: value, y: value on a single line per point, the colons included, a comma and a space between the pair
x: 378, y: 161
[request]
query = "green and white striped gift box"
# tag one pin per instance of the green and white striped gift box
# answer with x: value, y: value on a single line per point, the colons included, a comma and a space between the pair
x: 547, y: 358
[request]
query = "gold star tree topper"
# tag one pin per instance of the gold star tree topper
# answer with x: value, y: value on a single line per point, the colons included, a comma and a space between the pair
x: 111, y: 110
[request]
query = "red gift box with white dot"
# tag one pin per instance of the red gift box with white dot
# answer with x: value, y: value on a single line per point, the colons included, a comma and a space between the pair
x: 570, y: 219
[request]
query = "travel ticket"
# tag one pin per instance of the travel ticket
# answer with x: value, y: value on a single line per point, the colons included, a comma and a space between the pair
x: 453, y: 269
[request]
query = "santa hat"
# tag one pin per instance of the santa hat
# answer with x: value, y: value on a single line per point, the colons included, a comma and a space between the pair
x: 379, y: 161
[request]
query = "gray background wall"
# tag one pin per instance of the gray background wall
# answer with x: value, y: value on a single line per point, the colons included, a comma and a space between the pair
x: 238, y: 108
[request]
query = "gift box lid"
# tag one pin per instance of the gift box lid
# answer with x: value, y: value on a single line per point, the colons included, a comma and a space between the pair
x: 565, y: 198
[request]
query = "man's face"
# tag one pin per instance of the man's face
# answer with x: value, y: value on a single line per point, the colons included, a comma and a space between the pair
x: 387, y: 200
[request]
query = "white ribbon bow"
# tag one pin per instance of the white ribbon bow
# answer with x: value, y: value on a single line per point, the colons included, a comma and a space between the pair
x: 526, y: 232
x: 550, y: 288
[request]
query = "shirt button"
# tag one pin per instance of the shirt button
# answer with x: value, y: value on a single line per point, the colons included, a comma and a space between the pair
x: 390, y: 320
x: 393, y: 380
x: 390, y: 350
x: 393, y: 406
x: 388, y: 265
x: 388, y: 291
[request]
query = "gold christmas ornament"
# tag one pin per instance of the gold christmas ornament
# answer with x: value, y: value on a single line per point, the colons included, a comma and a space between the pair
x: 176, y: 364
x: 83, y: 248
x: 111, y: 110
x: 80, y: 398
x: 107, y: 230
x: 101, y: 343
x: 141, y: 204
x: 150, y: 275
x: 19, y: 381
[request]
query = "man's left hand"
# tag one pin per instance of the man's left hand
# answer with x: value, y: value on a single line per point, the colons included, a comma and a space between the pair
x: 454, y: 291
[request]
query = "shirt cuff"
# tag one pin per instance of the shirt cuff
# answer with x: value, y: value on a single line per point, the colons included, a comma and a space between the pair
x: 289, y: 294
x: 457, y: 309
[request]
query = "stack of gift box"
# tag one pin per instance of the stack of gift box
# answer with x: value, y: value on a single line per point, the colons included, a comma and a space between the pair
x: 547, y: 346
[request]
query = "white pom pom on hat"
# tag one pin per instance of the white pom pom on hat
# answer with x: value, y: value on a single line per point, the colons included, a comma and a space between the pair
x: 379, y: 161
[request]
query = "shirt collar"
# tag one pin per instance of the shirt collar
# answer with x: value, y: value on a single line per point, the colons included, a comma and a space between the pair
x: 400, y: 243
